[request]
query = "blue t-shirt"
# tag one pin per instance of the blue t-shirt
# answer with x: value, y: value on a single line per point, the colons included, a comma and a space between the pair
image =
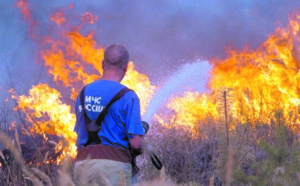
x: 122, y: 121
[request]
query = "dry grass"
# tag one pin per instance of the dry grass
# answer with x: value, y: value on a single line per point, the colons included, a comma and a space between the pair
x: 183, y: 157
x: 35, y: 176
x: 9, y: 144
x: 65, y: 173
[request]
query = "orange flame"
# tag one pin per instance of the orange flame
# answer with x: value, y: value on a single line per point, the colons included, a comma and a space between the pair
x: 262, y: 82
x: 192, y: 107
x: 48, y: 114
x: 265, y: 80
x: 67, y: 59
x: 141, y: 84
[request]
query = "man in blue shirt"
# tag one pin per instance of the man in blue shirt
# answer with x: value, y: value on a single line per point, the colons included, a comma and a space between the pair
x: 121, y: 130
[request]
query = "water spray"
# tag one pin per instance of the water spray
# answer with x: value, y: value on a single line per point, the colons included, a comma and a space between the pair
x: 190, y: 75
x: 193, y: 75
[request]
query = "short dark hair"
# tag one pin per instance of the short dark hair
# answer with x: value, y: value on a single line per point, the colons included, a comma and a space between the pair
x: 116, y: 56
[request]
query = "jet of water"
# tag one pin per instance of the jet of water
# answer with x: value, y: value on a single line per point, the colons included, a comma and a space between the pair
x: 192, y: 75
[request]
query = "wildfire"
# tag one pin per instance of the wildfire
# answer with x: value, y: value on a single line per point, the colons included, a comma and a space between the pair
x: 260, y: 81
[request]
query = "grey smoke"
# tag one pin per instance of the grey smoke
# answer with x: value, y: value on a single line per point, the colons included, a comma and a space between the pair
x: 160, y: 35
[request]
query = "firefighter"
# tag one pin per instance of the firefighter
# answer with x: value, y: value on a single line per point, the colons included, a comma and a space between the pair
x: 107, y: 153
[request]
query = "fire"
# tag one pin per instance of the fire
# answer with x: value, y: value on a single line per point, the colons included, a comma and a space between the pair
x: 141, y: 84
x: 265, y: 80
x: 68, y: 60
x: 192, y: 107
x: 262, y: 82
x: 49, y: 115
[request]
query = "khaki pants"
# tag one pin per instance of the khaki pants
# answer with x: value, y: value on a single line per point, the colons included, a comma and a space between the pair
x: 102, y: 172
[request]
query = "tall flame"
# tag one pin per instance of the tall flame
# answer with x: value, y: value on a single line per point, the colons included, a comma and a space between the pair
x: 261, y: 81
x: 49, y: 115
x: 68, y: 60
x: 264, y: 80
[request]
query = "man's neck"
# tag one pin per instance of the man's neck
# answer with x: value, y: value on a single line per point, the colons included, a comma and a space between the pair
x: 112, y: 76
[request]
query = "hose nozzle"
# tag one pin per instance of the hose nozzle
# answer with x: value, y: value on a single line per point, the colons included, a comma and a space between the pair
x: 145, y: 126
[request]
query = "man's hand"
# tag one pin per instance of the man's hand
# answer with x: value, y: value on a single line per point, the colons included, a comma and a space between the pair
x: 137, y: 142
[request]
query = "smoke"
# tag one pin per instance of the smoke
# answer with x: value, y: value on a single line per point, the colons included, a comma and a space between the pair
x: 160, y: 35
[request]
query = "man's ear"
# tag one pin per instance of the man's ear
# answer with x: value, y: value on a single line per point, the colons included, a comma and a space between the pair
x: 125, y: 68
